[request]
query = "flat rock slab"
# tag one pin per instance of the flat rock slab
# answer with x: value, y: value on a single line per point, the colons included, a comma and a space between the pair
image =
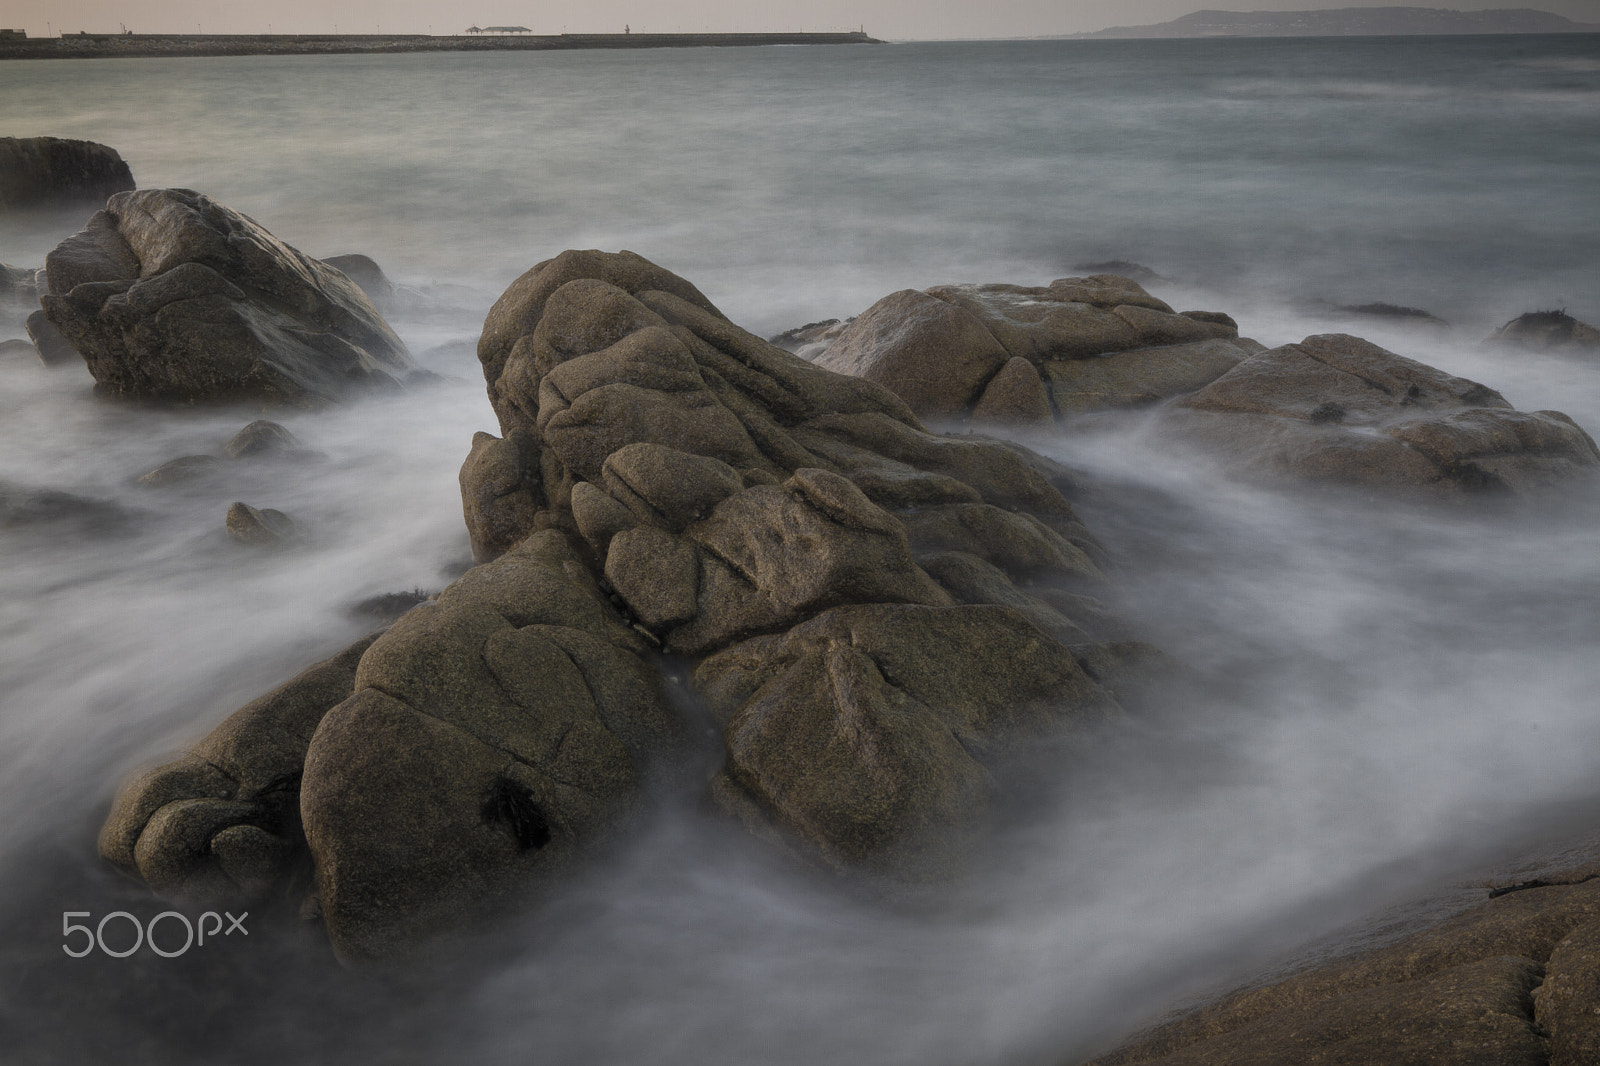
x: 949, y: 351
x: 1341, y: 410
x: 1142, y: 377
x: 1510, y: 982
x: 168, y: 294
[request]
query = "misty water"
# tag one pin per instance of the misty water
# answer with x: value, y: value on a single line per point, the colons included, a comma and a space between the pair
x: 1385, y: 700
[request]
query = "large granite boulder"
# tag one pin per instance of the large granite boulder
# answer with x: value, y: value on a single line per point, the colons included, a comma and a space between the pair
x: 1008, y: 353
x: 168, y: 294
x: 46, y: 171
x: 873, y: 613
x: 800, y: 536
x: 1509, y: 982
x: 1338, y: 409
x: 461, y: 756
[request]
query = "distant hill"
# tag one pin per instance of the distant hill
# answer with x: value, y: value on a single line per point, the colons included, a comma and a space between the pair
x: 1353, y: 22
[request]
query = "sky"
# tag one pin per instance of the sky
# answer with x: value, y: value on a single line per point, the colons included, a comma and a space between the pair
x: 889, y: 19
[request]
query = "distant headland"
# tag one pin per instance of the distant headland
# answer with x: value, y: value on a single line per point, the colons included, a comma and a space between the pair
x: 16, y: 45
x: 1353, y: 22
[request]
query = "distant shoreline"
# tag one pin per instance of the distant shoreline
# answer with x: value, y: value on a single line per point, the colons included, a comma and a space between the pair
x: 167, y: 45
x: 1349, y: 22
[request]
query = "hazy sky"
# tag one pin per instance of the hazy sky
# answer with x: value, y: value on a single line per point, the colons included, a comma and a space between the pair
x: 893, y: 19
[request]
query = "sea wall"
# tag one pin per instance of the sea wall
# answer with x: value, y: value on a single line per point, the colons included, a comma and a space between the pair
x: 124, y: 45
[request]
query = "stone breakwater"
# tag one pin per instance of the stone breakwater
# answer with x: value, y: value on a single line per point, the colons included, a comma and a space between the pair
x: 150, y: 45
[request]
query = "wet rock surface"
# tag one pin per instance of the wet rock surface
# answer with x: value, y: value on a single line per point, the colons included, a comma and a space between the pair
x: 18, y: 351
x: 19, y: 292
x: 33, y: 507
x: 261, y: 438
x: 1547, y: 331
x: 1338, y: 409
x: 1509, y: 981
x: 50, y: 343
x: 261, y: 527
x: 183, y: 470
x: 168, y: 294
x: 47, y: 171
x: 368, y: 276
x: 1095, y: 342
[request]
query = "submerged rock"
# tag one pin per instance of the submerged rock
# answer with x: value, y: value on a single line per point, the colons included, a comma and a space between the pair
x: 944, y: 350
x: 802, y: 338
x: 168, y: 294
x: 872, y: 611
x: 388, y: 606
x: 52, y: 347
x: 26, y: 506
x: 263, y: 527
x: 1338, y: 409
x: 1547, y: 331
x: 46, y: 171
x: 182, y: 470
x: 368, y: 275
x: 262, y: 438
x: 1122, y: 268
x: 1395, y: 313
x: 18, y: 288
x: 17, y: 351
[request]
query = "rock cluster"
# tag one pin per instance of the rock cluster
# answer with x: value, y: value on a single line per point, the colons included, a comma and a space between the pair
x: 260, y: 439
x: 871, y: 612
x: 168, y: 294
x: 47, y: 171
x: 1010, y: 353
x: 1333, y: 408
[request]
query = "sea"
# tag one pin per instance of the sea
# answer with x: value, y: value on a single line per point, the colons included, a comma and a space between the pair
x: 1391, y: 700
